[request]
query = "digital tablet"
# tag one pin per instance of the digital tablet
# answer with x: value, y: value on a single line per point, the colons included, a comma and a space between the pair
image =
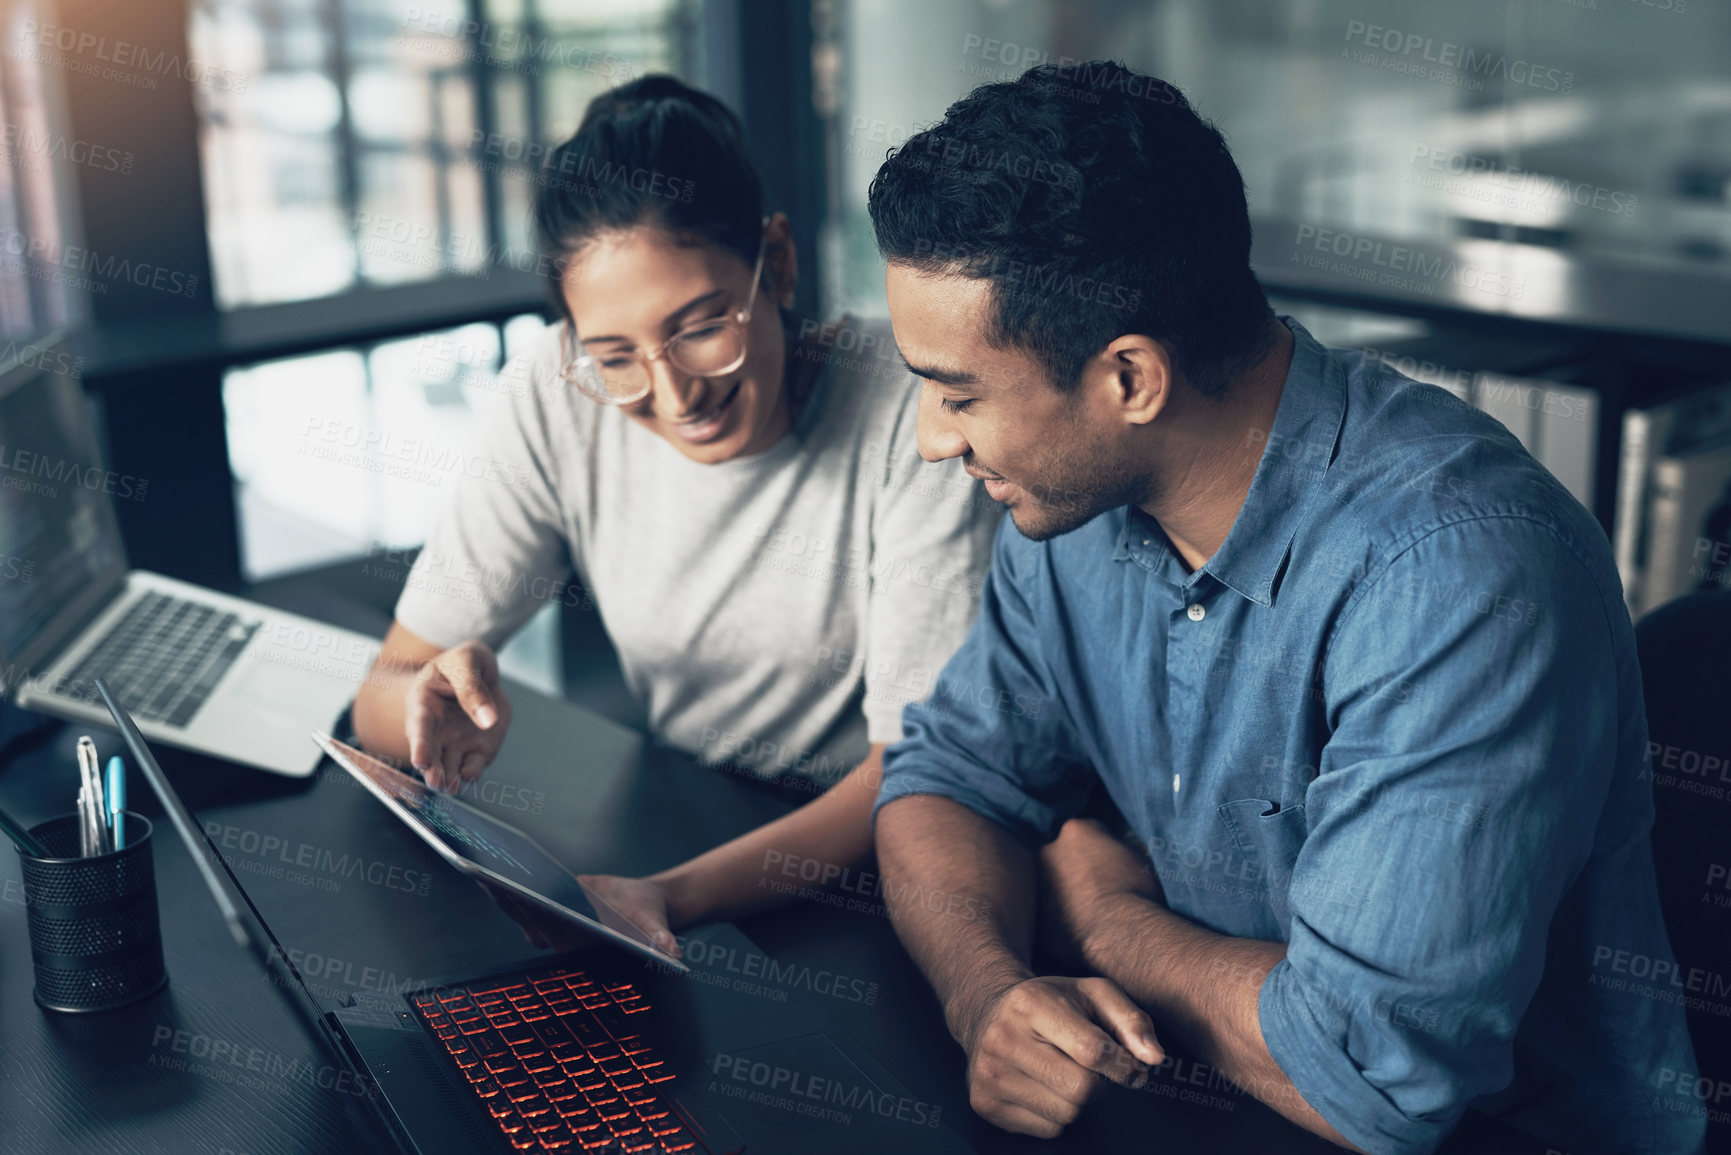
x: 491, y: 850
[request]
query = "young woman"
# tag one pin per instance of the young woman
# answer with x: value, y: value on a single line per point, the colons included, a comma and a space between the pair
x: 747, y: 510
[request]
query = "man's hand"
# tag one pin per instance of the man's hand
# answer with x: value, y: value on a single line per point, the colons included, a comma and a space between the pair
x: 1078, y: 871
x: 1040, y: 1049
x: 456, y: 715
x: 1037, y: 1047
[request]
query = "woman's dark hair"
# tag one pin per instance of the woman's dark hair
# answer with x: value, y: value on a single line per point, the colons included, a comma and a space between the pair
x: 652, y: 152
x: 1097, y: 203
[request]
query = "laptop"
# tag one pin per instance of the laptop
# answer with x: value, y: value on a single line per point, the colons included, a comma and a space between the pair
x: 198, y: 669
x: 611, y: 1049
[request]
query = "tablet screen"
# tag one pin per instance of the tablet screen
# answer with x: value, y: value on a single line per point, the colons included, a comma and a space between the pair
x: 487, y: 845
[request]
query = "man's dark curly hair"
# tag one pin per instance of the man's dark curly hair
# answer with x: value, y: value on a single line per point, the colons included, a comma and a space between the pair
x: 1097, y: 203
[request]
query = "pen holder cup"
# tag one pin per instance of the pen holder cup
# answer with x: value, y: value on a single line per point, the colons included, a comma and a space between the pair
x: 94, y: 938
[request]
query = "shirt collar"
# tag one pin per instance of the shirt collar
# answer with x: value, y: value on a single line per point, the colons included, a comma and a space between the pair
x: 1294, y: 456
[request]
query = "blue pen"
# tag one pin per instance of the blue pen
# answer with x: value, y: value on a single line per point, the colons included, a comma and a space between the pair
x: 117, y: 800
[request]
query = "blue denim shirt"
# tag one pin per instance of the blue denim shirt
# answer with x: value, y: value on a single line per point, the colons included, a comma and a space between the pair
x: 1395, y: 722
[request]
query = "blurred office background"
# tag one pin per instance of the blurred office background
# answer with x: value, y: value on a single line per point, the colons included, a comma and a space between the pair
x: 331, y: 199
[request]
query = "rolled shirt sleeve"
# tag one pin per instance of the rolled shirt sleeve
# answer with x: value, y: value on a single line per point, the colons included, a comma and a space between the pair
x: 1473, y: 740
x: 994, y: 735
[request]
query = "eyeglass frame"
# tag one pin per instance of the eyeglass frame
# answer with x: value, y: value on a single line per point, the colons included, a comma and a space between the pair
x: 571, y: 367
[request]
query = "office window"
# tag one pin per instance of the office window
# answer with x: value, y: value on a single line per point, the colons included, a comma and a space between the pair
x: 377, y: 143
x: 1592, y: 128
x: 34, y: 152
x: 354, y: 451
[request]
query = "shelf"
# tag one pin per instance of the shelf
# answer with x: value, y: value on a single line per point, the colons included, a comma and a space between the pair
x: 270, y: 331
x: 1495, y: 284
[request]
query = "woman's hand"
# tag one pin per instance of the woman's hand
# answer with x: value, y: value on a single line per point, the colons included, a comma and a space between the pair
x: 642, y: 902
x: 456, y: 715
x: 544, y: 929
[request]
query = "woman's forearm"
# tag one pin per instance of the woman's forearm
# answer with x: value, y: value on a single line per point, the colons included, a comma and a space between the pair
x: 381, y: 703
x: 741, y: 877
x: 378, y: 713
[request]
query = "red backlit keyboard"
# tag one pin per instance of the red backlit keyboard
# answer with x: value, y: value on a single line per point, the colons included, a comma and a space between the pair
x: 556, y: 1061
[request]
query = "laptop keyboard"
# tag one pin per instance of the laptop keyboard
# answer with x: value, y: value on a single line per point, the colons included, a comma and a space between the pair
x: 558, y: 1062
x: 163, y: 658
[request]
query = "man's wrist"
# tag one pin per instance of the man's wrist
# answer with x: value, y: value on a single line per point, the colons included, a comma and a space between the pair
x: 966, y: 1010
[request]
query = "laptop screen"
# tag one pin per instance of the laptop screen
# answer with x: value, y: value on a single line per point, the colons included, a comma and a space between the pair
x: 58, y: 540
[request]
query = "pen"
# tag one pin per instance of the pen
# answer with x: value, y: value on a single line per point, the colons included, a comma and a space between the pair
x: 22, y: 838
x: 117, y: 800
x: 90, y: 800
x: 84, y: 850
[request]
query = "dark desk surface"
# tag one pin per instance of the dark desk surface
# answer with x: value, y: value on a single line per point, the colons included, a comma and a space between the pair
x: 218, y: 1064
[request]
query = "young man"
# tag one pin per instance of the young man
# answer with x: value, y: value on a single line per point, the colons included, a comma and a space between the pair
x: 1354, y: 668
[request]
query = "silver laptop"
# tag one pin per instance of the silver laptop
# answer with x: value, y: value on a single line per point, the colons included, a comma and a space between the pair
x: 195, y: 668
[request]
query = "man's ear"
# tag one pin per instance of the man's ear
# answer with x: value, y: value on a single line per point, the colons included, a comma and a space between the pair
x: 1135, y: 371
x: 782, y: 259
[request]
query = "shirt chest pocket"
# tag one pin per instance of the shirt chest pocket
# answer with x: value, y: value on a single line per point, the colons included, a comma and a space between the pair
x: 1270, y: 835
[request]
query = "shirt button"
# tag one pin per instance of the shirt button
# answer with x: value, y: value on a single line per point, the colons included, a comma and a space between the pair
x: 1196, y: 612
x: 1147, y: 541
x: 1174, y: 783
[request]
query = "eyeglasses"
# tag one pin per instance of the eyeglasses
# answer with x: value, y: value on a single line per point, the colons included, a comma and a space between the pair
x: 710, y: 348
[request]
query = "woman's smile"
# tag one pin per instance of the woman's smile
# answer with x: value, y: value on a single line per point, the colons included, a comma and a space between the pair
x: 708, y: 425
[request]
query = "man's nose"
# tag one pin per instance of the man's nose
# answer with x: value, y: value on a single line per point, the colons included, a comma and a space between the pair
x: 937, y: 435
